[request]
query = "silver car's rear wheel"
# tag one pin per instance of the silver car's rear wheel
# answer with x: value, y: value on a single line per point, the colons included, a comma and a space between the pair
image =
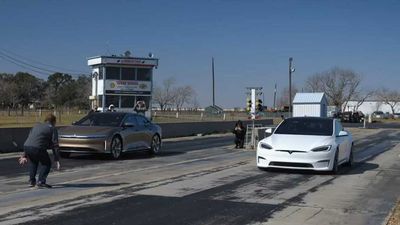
x: 116, y: 147
x: 155, y: 145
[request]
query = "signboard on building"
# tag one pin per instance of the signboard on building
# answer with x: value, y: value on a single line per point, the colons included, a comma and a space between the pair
x: 128, y: 87
x: 147, y: 62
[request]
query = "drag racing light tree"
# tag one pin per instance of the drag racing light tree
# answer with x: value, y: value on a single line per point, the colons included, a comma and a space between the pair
x: 248, y: 104
x: 259, y: 106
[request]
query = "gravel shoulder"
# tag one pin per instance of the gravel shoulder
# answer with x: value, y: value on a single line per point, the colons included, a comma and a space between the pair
x: 395, y: 217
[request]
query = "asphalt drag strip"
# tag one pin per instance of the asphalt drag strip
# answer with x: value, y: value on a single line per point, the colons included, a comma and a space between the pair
x: 220, y: 186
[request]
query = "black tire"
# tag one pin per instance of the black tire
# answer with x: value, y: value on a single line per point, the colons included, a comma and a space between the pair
x: 155, y: 145
x: 350, y: 162
x: 335, y: 167
x: 65, y: 154
x: 116, y: 147
x: 263, y: 168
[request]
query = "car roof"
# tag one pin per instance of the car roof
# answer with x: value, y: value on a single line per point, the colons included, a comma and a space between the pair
x: 311, y: 118
x: 121, y: 113
x: 116, y: 113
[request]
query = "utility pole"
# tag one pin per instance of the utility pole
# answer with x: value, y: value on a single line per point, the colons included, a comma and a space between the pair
x: 290, y: 84
x: 275, y: 97
x: 213, y: 82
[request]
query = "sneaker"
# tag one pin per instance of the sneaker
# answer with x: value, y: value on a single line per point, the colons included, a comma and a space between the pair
x: 32, y: 184
x: 43, y: 185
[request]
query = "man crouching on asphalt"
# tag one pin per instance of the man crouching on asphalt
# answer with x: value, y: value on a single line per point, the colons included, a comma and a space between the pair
x: 41, y: 137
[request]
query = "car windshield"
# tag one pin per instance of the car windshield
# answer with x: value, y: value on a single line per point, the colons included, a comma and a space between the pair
x: 306, y: 126
x: 101, y: 119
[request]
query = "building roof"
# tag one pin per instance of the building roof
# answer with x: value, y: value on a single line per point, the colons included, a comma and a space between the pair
x: 214, y: 109
x: 308, y: 98
x: 122, y: 60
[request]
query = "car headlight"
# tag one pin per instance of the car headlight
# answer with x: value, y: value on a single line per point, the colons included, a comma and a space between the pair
x: 322, y: 148
x: 265, y: 146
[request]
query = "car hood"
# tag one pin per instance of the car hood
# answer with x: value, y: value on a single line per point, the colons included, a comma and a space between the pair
x: 86, y: 131
x: 297, y: 142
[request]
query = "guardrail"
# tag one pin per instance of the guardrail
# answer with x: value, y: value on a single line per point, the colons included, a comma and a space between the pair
x: 12, y: 139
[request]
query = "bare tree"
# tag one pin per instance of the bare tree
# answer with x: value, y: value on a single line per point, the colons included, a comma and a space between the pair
x: 360, y: 97
x: 315, y: 83
x: 182, y: 95
x: 195, y: 103
x: 283, y: 99
x: 389, y: 97
x: 339, y: 85
x: 164, y: 95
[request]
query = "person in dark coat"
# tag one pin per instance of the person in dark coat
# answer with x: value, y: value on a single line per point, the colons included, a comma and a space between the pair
x: 240, y: 133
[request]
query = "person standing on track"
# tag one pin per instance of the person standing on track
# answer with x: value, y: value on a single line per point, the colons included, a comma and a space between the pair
x: 240, y: 133
x: 41, y: 137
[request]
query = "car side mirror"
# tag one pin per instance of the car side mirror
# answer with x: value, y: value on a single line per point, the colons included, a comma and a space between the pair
x: 128, y: 124
x: 343, y: 133
x: 268, y: 131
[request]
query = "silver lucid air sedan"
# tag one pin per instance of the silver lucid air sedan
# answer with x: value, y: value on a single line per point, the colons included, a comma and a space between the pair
x: 110, y: 132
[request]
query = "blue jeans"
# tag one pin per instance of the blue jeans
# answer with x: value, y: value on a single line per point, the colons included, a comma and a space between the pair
x: 39, y: 158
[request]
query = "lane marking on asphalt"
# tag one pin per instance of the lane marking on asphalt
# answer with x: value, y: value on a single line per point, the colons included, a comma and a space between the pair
x: 122, y: 173
x: 123, y: 190
x: 96, y: 166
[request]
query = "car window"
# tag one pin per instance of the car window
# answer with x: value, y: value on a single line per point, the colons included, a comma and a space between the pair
x: 306, y: 126
x: 142, y: 120
x: 101, y: 119
x: 131, y: 119
x: 338, y: 128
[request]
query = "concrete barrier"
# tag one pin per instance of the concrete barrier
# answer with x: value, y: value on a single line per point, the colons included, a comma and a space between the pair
x: 9, y: 136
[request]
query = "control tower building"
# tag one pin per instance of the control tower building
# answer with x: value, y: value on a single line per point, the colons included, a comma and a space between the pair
x: 124, y: 82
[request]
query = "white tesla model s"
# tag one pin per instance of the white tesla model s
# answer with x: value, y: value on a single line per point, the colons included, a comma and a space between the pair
x: 310, y: 143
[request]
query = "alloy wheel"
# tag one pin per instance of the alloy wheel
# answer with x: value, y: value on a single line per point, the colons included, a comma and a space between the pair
x: 155, y: 144
x: 116, y: 147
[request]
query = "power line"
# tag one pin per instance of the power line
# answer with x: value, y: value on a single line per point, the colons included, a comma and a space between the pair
x: 30, y: 69
x: 27, y: 64
x: 40, y: 63
x: 30, y: 66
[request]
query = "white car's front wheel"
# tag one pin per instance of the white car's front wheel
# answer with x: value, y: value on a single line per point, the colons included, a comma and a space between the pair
x: 350, y: 161
x: 335, y: 167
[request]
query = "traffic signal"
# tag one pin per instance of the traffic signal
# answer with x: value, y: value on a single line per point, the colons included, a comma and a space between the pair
x: 248, y: 104
x: 259, y: 105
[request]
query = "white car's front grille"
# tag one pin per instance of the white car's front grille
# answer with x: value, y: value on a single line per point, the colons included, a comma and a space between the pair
x: 291, y: 151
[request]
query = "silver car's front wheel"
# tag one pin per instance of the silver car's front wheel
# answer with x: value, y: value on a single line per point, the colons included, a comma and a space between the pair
x: 155, y: 145
x: 116, y: 147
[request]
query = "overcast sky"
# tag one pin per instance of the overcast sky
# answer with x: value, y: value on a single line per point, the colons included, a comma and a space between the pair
x: 251, y: 41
